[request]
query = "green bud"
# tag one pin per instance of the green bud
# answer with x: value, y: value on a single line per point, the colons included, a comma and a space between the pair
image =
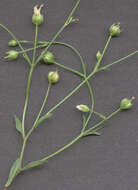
x: 83, y: 108
x: 126, y: 103
x: 37, y: 17
x: 48, y: 58
x: 12, y: 55
x: 12, y: 43
x: 53, y: 77
x: 114, y: 30
x: 98, y: 55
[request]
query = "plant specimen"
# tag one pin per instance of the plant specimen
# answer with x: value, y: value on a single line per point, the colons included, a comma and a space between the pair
x: 53, y: 77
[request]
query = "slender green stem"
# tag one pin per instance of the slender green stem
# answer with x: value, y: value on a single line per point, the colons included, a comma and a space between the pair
x: 73, y: 141
x: 76, y: 139
x: 83, y: 66
x: 71, y: 93
x: 35, y: 43
x: 92, y: 105
x: 83, y: 122
x: 95, y: 69
x: 27, y: 97
x: 44, y: 44
x: 60, y: 150
x: 84, y: 75
x: 119, y: 60
x: 84, y: 71
x: 69, y: 69
x: 58, y: 33
x: 90, y: 89
x: 72, y: 12
x: 20, y: 45
x: 30, y: 132
x: 37, y: 118
x: 29, y: 81
x: 30, y: 49
x: 63, y: 148
x: 30, y: 76
x: 104, y: 50
x: 25, y: 41
x: 77, y: 53
x: 101, y: 122
x: 27, y: 93
x: 50, y: 43
x: 100, y: 115
x: 43, y: 105
x: 22, y: 150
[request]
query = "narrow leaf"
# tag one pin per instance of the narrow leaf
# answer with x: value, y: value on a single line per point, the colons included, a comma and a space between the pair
x: 100, y: 115
x: 46, y: 116
x: 83, y: 122
x: 13, y: 172
x: 93, y: 133
x: 83, y: 119
x: 18, y: 124
x: 34, y: 164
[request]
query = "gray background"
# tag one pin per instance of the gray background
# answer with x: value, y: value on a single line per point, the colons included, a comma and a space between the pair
x: 98, y: 163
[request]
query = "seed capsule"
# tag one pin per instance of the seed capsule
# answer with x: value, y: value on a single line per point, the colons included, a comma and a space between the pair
x: 126, y: 103
x: 48, y: 58
x: 37, y: 17
x: 12, y: 43
x: 53, y: 77
x: 115, y: 30
x: 12, y: 55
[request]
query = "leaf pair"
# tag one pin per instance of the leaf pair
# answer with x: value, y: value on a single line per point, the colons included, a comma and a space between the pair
x: 46, y: 116
x: 14, y: 171
x: 100, y: 115
x: 18, y: 125
x: 34, y: 164
x: 93, y: 133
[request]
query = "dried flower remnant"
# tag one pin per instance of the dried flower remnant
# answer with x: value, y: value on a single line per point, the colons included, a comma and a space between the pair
x: 83, y: 108
x: 37, y: 17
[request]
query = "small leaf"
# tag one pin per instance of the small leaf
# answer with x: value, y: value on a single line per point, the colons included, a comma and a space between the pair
x: 100, y: 115
x: 18, y: 124
x: 93, y: 133
x: 34, y: 164
x: 13, y: 172
x: 83, y: 119
x: 46, y: 116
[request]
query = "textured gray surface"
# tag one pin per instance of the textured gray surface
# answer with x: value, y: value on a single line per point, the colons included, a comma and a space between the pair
x: 98, y: 163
